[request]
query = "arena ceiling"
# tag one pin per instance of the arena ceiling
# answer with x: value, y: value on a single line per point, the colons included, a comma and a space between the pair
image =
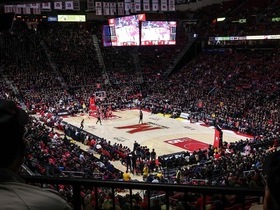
x: 3, y: 2
x: 26, y: 2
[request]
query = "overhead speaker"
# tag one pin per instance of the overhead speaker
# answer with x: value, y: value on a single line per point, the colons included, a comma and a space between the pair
x: 6, y: 21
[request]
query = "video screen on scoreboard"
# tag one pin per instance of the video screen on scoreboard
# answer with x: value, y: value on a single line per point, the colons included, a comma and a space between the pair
x: 125, y: 31
x: 158, y: 32
x: 106, y: 36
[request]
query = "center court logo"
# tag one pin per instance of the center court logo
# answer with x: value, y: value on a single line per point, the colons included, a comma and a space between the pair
x: 141, y: 127
x: 187, y: 143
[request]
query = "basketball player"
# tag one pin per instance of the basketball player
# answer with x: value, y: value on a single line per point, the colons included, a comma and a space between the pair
x: 141, y: 117
x: 84, y: 108
x: 82, y: 124
x: 98, y: 117
x: 89, y: 113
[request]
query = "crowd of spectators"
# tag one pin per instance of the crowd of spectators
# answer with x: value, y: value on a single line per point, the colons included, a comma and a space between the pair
x: 56, y: 69
x: 72, y: 50
x: 241, y: 18
x: 52, y: 153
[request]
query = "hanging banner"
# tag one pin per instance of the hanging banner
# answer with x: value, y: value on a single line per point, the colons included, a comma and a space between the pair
x: 36, y: 11
x: 46, y: 6
x: 69, y: 5
x: 26, y: 10
x: 132, y: 9
x: 76, y: 5
x: 137, y: 5
x: 146, y: 5
x: 90, y: 5
x: 106, y: 8
x: 120, y: 8
x: 98, y: 8
x: 155, y: 5
x: 8, y: 8
x: 163, y: 5
x: 57, y: 5
x: 21, y: 5
x: 171, y: 5
x: 113, y: 8
x: 127, y: 4
x: 35, y: 6
x: 16, y: 9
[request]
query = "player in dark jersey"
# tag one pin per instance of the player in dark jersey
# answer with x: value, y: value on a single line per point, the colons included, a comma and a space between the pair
x: 140, y: 117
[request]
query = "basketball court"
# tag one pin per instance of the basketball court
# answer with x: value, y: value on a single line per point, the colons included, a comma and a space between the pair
x: 162, y: 133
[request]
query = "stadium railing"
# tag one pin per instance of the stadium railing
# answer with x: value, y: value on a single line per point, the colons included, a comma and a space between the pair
x: 167, y: 190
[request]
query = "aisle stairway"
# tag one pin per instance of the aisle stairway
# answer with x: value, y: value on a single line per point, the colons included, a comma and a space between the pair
x: 99, y: 56
x: 138, y: 70
x: 52, y: 64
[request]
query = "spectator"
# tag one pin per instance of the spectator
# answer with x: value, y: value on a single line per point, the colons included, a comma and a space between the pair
x: 272, y: 196
x: 145, y: 172
x: 178, y: 176
x: 153, y: 155
x: 15, y: 194
x: 126, y: 176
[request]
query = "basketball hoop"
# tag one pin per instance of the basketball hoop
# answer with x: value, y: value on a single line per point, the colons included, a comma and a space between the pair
x: 100, y: 95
